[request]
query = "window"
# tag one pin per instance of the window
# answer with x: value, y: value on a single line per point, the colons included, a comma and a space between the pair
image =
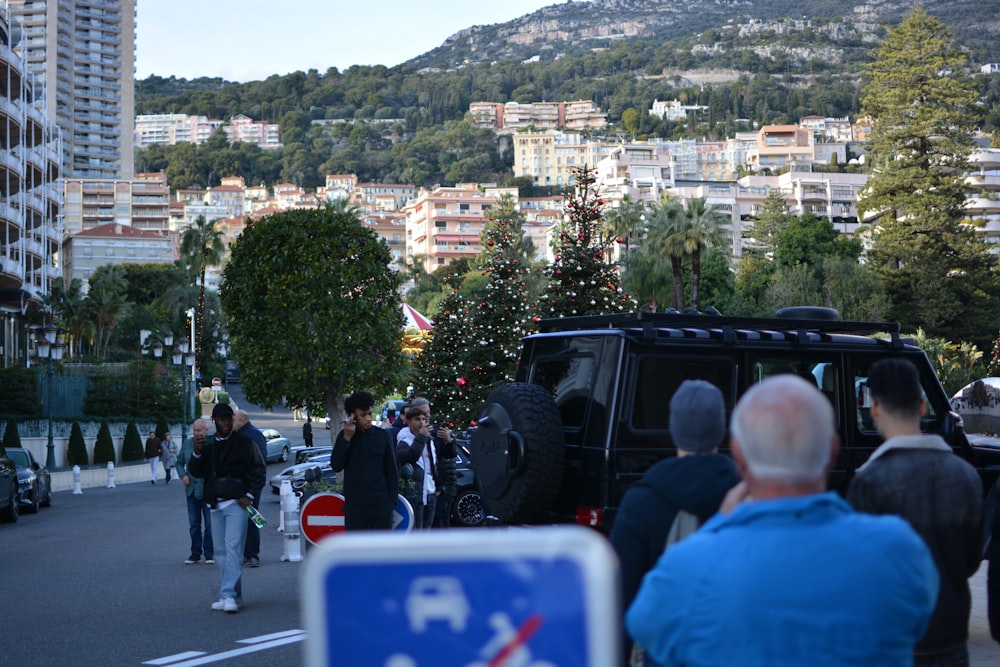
x: 823, y: 372
x: 440, y: 224
x: 929, y: 423
x: 462, y: 208
x: 659, y: 375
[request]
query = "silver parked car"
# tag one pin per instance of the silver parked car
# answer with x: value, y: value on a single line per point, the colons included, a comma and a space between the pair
x: 278, y: 446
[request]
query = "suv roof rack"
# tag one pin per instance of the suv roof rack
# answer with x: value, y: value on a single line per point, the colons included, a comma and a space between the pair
x: 646, y: 319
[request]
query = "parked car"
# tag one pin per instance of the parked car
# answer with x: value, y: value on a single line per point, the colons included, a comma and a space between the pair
x: 232, y: 373
x: 33, y: 480
x: 300, y: 454
x: 278, y: 446
x: 10, y: 508
x: 297, y: 471
x: 468, y: 510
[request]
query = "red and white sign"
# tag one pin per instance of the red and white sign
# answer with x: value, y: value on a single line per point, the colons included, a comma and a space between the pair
x: 216, y: 382
x: 322, y: 516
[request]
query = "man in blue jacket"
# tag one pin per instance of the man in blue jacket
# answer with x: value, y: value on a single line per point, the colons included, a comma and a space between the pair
x: 695, y: 481
x: 792, y: 575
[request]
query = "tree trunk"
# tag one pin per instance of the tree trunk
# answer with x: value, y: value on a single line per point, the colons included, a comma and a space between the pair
x: 695, y: 278
x: 675, y: 265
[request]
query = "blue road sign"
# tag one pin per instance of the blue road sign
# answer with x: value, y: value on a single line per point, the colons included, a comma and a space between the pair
x: 402, y: 515
x: 545, y: 597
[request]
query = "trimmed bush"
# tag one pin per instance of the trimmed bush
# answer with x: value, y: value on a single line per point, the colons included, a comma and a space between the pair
x: 11, y: 438
x: 104, y: 449
x: 76, y: 452
x: 132, y: 446
x: 19, y: 391
x: 161, y: 428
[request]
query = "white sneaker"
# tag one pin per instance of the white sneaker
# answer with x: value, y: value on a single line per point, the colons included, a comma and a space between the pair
x: 229, y: 606
x: 219, y: 605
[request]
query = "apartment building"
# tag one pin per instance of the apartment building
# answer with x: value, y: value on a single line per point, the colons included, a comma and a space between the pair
x: 443, y: 224
x: 113, y: 243
x: 983, y: 204
x: 549, y: 157
x: 374, y: 197
x: 142, y: 202
x: 640, y: 171
x: 246, y: 129
x: 673, y: 109
x: 82, y: 53
x: 31, y: 201
x: 780, y: 146
x: 391, y: 228
x: 173, y: 128
x: 340, y: 186
x: 578, y: 115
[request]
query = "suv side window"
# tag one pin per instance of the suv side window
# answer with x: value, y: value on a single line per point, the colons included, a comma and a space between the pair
x: 658, y: 376
x: 930, y: 423
x: 823, y: 372
x: 580, y: 372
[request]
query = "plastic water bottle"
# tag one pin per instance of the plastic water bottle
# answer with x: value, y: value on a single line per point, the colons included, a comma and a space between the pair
x: 255, y: 516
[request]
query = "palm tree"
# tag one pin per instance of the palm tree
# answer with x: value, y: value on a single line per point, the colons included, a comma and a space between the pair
x: 702, y: 226
x: 201, y: 246
x: 626, y: 219
x: 663, y: 239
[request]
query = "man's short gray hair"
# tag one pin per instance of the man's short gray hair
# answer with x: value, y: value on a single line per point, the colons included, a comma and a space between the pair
x: 784, y: 426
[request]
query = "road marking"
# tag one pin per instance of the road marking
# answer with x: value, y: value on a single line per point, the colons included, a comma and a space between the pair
x: 267, y: 638
x: 261, y: 643
x: 174, y: 658
x: 324, y: 520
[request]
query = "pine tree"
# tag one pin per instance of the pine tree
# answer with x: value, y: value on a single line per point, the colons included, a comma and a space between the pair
x: 937, y: 274
x: 440, y: 370
x: 11, y: 438
x: 580, y: 281
x: 502, y: 317
x: 76, y: 451
x: 132, y: 445
x: 104, y: 448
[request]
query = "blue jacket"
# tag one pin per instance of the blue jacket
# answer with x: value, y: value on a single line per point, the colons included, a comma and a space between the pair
x: 197, y: 485
x: 793, y: 581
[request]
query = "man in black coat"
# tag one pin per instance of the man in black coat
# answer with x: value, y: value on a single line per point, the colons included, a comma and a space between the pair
x: 695, y: 481
x: 367, y: 457
x: 234, y: 474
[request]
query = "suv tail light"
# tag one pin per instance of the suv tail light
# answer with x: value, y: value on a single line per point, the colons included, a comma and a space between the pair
x: 590, y: 516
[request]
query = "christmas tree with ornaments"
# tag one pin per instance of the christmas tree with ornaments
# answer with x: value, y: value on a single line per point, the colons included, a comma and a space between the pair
x: 580, y: 280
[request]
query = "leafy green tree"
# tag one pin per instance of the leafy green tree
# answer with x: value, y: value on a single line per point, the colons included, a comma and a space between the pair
x: 201, y: 247
x: 106, y: 304
x: 770, y: 221
x: 76, y: 450
x: 11, y: 438
x: 580, y: 281
x: 104, y: 448
x: 955, y: 364
x: 19, y: 391
x: 938, y: 275
x: 808, y: 239
x: 313, y: 309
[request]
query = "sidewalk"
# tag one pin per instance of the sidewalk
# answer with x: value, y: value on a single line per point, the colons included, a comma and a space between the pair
x: 983, y: 651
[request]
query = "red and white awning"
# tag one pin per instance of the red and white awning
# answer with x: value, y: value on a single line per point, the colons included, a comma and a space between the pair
x: 414, y: 320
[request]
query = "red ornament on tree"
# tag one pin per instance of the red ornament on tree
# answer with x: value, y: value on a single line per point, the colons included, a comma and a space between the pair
x: 620, y: 240
x: 462, y: 382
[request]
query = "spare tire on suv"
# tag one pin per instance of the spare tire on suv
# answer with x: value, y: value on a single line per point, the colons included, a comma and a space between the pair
x: 518, y: 452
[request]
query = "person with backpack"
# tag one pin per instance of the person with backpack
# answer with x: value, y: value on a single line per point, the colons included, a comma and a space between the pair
x: 679, y: 493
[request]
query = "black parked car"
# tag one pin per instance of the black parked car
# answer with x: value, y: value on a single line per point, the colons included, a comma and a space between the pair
x: 10, y: 509
x: 33, y: 480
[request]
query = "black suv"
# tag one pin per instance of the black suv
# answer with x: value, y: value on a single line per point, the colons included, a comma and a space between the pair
x: 589, y: 412
x: 9, y: 508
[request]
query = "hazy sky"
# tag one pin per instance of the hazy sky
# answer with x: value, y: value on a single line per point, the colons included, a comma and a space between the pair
x: 245, y: 40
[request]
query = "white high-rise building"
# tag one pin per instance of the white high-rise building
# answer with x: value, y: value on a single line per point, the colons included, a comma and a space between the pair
x: 82, y: 53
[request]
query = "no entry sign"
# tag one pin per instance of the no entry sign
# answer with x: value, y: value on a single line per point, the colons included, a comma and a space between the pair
x: 322, y: 516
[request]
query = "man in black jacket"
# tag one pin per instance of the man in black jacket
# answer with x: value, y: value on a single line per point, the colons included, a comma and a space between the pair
x: 695, y: 481
x: 234, y: 474
x: 367, y: 457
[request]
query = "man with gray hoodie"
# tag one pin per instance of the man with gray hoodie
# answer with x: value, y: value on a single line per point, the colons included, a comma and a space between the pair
x: 695, y: 481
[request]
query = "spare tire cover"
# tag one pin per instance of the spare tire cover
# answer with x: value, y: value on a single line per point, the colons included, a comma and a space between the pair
x: 518, y: 452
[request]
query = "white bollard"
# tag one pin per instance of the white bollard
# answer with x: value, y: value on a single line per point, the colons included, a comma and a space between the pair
x: 76, y: 481
x: 292, y: 551
x: 111, y: 475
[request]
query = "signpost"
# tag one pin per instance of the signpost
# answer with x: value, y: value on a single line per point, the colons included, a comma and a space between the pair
x: 321, y: 516
x: 538, y: 597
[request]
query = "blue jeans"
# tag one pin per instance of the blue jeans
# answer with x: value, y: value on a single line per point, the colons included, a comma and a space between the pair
x: 200, y: 515
x: 229, y: 525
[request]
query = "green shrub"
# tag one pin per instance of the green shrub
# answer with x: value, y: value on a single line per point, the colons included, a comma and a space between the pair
x: 11, y: 438
x: 76, y: 452
x: 19, y: 391
x: 132, y: 446
x: 161, y: 428
x: 104, y: 449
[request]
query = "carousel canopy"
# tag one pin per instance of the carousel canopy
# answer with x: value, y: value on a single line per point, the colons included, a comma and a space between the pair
x: 414, y: 320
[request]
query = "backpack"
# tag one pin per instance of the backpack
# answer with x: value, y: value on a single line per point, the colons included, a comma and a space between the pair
x: 684, y: 524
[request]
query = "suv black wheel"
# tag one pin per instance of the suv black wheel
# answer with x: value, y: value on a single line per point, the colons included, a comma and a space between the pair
x: 468, y: 509
x: 517, y: 452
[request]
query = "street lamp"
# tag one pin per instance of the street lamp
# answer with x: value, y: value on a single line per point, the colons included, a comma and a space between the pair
x: 181, y: 355
x: 51, y: 351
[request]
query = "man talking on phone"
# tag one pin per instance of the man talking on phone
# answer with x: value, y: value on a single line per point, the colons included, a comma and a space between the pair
x: 367, y: 456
